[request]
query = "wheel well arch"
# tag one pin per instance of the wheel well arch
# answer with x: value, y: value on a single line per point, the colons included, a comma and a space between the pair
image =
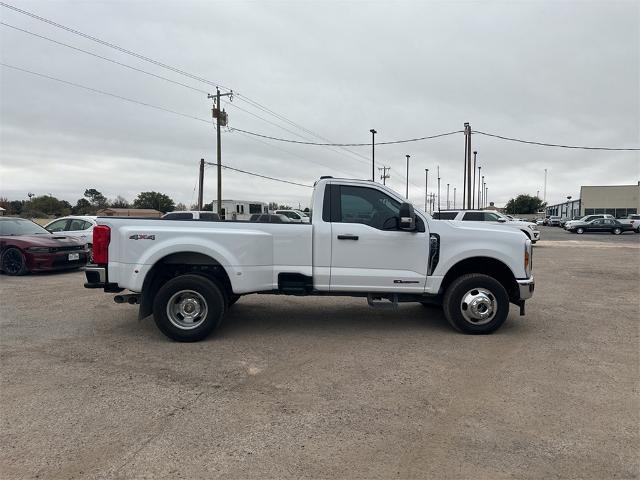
x: 530, y: 237
x: 180, y: 263
x: 485, y: 265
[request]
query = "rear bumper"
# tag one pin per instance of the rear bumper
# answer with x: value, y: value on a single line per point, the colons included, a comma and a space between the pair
x: 97, y: 278
x: 526, y: 288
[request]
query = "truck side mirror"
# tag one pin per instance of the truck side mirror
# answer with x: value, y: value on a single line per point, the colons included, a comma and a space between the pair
x: 407, y: 220
x: 501, y: 220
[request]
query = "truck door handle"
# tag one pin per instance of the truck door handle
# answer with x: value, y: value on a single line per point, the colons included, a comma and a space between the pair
x: 347, y: 237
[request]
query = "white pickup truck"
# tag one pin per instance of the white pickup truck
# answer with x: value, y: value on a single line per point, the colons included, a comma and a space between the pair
x: 363, y: 241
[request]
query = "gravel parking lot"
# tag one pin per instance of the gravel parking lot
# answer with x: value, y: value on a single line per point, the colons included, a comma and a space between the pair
x: 326, y: 387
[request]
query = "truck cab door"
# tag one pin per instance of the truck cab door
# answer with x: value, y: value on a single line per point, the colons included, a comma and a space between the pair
x: 369, y: 253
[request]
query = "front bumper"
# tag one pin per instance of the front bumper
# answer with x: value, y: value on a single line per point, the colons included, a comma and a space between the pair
x: 526, y: 288
x: 44, y: 262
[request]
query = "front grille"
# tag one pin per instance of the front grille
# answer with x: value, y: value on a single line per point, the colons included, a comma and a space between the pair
x: 70, y: 248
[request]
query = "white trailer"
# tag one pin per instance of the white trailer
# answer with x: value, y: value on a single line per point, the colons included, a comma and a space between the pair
x: 240, y: 209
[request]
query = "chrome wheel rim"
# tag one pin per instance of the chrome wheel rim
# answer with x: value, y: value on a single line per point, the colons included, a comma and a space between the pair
x: 187, y: 309
x: 478, y: 306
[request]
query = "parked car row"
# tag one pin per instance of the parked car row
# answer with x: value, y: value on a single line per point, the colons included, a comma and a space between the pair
x: 599, y: 225
x: 530, y: 229
x: 27, y: 247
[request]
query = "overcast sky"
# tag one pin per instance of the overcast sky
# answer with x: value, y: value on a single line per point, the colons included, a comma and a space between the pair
x: 559, y: 72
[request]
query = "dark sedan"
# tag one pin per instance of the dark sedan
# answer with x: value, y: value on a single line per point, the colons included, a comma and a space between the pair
x: 600, y: 225
x: 27, y: 247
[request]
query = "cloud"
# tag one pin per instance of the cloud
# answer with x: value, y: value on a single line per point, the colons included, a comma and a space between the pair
x: 549, y: 71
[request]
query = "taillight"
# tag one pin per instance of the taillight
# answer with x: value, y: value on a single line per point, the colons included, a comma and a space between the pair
x: 101, y: 239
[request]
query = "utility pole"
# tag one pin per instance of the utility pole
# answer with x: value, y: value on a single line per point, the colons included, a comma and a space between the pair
x: 545, y: 186
x: 454, y: 198
x: 384, y: 175
x: 221, y: 120
x: 486, y: 195
x: 473, y: 189
x: 483, y: 199
x: 200, y: 184
x: 373, y: 154
x: 448, y: 204
x: 438, y: 187
x: 426, y: 186
x: 464, y: 175
x: 407, y: 191
x: 469, y: 193
x: 479, y: 172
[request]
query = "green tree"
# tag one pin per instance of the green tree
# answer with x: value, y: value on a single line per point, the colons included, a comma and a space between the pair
x: 97, y: 199
x: 524, y: 204
x: 119, y: 202
x: 47, y: 204
x: 156, y: 200
x: 83, y: 207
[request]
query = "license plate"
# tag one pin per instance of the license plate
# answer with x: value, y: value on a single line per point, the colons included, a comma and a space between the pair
x: 74, y: 256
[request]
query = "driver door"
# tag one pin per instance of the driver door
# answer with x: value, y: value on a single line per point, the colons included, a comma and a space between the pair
x: 368, y: 252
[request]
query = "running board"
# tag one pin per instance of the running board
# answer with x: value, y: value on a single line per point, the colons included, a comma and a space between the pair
x: 383, y: 303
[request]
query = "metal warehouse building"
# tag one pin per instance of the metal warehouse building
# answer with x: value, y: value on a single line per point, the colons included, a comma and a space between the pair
x: 617, y: 200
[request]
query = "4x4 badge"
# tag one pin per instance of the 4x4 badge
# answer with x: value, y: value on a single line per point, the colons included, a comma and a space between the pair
x: 142, y: 236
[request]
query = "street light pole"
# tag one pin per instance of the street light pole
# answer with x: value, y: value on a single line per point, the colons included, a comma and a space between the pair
x: 426, y: 186
x: 407, y: 191
x: 473, y: 189
x: 454, y: 198
x: 373, y: 154
x: 448, y: 204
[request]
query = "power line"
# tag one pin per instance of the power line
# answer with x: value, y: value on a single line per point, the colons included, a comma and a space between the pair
x: 260, y: 175
x: 104, y: 58
x: 102, y: 92
x: 394, y: 142
x: 111, y: 45
x: 579, y: 147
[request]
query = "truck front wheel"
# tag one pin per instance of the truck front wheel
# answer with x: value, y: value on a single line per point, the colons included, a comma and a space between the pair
x: 189, y: 307
x: 476, y: 304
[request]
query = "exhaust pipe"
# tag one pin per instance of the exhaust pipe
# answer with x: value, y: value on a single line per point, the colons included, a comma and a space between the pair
x: 131, y: 299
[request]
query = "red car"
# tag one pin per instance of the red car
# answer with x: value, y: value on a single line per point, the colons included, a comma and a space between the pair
x: 27, y: 247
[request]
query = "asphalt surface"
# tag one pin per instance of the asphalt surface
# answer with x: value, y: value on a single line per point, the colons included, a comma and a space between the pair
x: 326, y: 387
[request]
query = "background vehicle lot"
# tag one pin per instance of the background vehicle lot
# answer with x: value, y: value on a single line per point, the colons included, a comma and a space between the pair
x: 327, y: 387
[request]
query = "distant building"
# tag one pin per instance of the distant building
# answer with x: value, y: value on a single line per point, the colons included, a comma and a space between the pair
x: 129, y: 212
x: 494, y: 208
x: 2, y: 210
x: 616, y: 200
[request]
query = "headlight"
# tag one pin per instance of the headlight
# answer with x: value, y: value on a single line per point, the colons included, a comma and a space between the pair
x: 38, y: 249
x: 533, y: 227
x: 528, y: 258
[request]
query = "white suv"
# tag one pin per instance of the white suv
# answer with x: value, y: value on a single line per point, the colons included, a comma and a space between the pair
x: 296, y: 216
x: 530, y: 229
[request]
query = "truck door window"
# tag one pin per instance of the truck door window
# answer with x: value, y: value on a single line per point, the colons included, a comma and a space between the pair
x: 367, y: 206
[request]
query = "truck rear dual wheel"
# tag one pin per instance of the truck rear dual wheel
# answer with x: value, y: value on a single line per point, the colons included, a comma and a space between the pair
x: 189, y: 307
x: 476, y: 304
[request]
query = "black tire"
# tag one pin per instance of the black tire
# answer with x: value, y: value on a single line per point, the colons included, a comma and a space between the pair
x: 13, y: 262
x: 205, y: 294
x: 579, y: 231
x: 616, y: 231
x: 484, y: 286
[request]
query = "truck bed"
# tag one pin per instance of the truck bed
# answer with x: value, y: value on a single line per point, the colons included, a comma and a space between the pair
x: 253, y: 254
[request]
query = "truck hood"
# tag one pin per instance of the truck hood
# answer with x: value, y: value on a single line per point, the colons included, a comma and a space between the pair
x: 44, y: 240
x: 481, y: 228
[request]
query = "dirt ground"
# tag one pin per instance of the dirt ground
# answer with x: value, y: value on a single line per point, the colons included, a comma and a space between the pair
x: 323, y: 387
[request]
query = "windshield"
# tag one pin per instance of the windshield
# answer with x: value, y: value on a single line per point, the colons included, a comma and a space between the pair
x: 20, y: 226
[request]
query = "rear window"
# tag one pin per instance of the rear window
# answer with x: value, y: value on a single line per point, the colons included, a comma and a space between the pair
x: 445, y: 215
x: 178, y: 216
x: 474, y: 216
